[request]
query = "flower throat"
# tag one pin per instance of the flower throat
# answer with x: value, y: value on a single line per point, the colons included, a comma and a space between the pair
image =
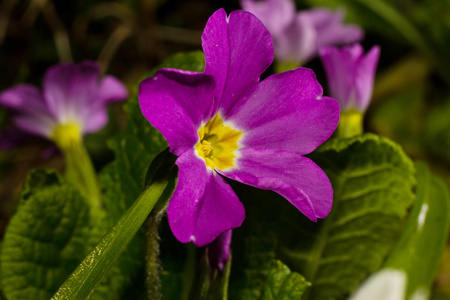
x: 217, y: 143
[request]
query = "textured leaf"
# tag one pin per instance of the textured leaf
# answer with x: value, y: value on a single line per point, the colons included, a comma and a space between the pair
x: 282, y: 284
x: 46, y: 239
x: 253, y: 250
x: 258, y: 275
x: 420, y: 248
x: 372, y: 180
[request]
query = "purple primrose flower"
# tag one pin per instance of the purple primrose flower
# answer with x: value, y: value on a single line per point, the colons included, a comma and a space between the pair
x: 350, y: 75
x: 299, y: 36
x: 73, y: 101
x: 225, y: 123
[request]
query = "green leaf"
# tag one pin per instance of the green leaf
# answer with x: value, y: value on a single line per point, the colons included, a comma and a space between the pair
x: 258, y: 275
x: 282, y: 284
x: 373, y: 184
x: 47, y: 237
x: 253, y: 250
x: 420, y: 248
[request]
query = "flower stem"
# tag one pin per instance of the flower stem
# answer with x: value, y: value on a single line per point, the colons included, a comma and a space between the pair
x: 152, y: 262
x: 80, y: 171
x: 350, y: 124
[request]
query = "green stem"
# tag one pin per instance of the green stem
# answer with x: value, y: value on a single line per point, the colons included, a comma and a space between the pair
x: 152, y: 262
x: 350, y: 124
x: 80, y: 171
x: 83, y: 281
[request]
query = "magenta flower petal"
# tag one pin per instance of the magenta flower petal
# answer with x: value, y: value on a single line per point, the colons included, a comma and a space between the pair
x: 95, y: 119
x: 28, y: 108
x: 34, y: 125
x: 76, y: 84
x: 339, y: 69
x: 219, y: 251
x: 203, y: 205
x: 224, y: 41
x: 275, y: 14
x: 294, y: 177
x: 175, y: 102
x: 350, y: 75
x: 364, y: 77
x: 111, y: 89
x: 24, y: 97
x: 283, y: 113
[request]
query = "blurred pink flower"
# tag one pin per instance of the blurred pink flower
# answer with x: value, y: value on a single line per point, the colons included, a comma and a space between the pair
x: 298, y: 36
x: 72, y: 95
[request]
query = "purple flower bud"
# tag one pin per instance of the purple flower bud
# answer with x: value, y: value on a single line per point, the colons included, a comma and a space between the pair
x: 219, y: 251
x: 350, y: 75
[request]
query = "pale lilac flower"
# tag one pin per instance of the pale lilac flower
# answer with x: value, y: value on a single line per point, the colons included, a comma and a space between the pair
x: 299, y: 36
x: 225, y: 123
x: 73, y: 95
x: 350, y: 75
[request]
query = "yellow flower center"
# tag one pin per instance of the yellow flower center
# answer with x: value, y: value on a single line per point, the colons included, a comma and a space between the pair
x: 66, y: 136
x: 217, y: 143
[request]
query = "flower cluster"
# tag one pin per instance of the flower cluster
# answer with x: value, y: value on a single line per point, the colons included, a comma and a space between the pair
x: 298, y: 36
x: 226, y: 123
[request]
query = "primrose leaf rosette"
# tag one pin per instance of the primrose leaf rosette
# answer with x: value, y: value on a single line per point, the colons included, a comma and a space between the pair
x: 224, y: 122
